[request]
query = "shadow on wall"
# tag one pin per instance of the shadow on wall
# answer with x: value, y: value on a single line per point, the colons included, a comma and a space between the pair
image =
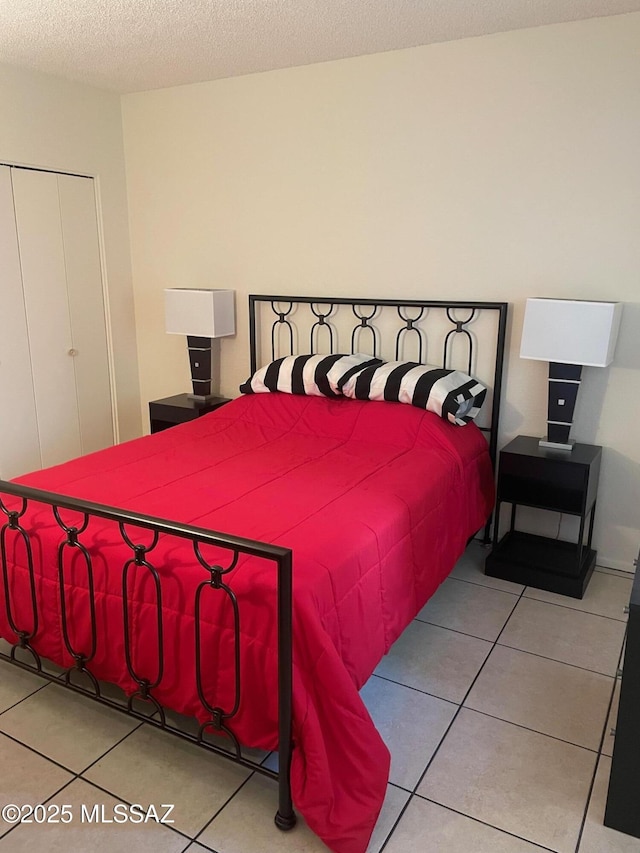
x: 593, y: 389
x: 628, y: 348
x: 620, y: 535
x: 590, y: 403
x: 529, y: 381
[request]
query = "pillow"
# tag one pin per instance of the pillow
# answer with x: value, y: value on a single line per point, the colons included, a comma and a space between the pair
x: 451, y: 394
x: 315, y: 375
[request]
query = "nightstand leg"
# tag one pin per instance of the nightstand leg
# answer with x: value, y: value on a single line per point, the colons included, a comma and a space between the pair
x: 496, y: 523
x: 581, y: 544
x: 591, y: 520
x: 580, y: 548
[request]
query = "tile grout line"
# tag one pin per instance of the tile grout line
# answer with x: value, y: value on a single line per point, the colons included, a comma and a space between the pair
x: 555, y: 660
x: 38, y: 753
x: 456, y: 630
x: 484, y: 823
x: 574, y: 609
x: 533, y: 598
x: 111, y: 748
x: 223, y: 806
x: 28, y: 696
x: 415, y: 689
x: 594, y: 750
x: 395, y: 823
x: 204, y: 847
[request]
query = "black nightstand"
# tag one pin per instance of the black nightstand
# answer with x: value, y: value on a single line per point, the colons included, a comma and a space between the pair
x: 560, y: 481
x: 179, y: 409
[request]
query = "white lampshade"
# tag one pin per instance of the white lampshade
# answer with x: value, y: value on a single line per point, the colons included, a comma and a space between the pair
x: 199, y: 313
x: 570, y: 331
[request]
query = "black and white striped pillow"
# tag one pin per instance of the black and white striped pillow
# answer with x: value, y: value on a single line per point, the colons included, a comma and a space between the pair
x: 450, y: 394
x: 315, y: 375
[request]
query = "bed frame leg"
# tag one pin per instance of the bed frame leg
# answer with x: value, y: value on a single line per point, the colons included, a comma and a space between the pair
x: 284, y: 822
x: 285, y: 818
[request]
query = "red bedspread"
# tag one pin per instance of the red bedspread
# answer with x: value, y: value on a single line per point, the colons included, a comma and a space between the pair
x: 377, y: 501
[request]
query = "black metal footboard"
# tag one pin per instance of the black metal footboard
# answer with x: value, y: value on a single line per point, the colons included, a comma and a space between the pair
x: 140, y: 559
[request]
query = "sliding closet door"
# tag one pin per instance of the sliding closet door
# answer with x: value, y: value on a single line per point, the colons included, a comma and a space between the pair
x: 86, y: 311
x: 61, y: 281
x: 44, y: 283
x: 19, y: 442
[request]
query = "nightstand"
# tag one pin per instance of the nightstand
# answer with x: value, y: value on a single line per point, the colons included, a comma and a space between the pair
x: 560, y: 481
x: 179, y: 409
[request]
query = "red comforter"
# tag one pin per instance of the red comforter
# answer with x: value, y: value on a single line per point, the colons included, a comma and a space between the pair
x: 377, y: 501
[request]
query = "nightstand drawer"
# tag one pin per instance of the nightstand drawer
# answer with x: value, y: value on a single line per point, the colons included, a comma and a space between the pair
x: 562, y: 482
x: 527, y: 481
x: 172, y: 415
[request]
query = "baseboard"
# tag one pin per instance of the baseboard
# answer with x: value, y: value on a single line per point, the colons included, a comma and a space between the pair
x: 618, y: 565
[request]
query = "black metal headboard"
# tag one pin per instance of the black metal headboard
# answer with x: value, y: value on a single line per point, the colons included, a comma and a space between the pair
x: 386, y: 327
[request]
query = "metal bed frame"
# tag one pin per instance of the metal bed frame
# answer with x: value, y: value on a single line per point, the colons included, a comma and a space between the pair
x: 215, y: 577
x: 323, y: 309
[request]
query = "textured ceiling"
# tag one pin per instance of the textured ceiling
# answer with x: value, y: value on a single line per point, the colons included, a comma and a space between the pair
x: 134, y: 45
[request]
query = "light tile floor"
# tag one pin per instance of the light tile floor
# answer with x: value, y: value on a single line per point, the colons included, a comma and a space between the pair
x: 496, y: 704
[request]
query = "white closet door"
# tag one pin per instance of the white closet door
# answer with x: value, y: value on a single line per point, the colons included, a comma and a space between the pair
x: 19, y: 442
x: 86, y: 310
x: 37, y: 208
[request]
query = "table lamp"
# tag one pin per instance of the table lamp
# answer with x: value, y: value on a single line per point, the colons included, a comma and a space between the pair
x: 570, y: 334
x: 201, y: 315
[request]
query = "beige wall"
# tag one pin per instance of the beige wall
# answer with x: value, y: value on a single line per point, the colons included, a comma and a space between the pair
x: 496, y: 168
x: 50, y: 123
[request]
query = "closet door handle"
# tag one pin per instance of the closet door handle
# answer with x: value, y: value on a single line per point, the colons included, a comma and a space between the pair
x: 72, y: 352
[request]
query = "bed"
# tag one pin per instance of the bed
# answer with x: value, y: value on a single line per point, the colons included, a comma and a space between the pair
x: 340, y: 516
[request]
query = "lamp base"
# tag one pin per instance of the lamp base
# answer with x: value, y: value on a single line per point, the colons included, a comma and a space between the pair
x: 556, y: 445
x: 564, y: 382
x: 200, y: 355
x: 203, y: 398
